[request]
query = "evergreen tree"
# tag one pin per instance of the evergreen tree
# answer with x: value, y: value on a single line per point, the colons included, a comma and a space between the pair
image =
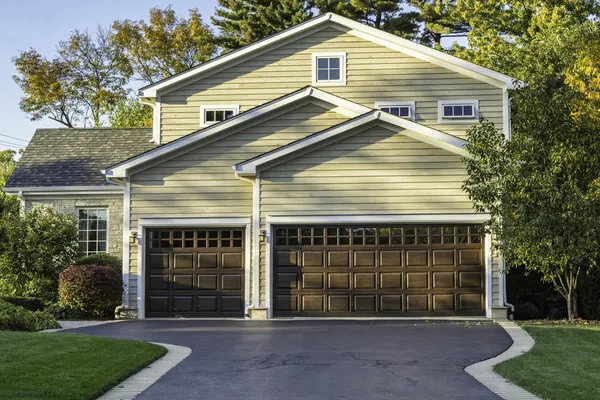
x: 242, y: 22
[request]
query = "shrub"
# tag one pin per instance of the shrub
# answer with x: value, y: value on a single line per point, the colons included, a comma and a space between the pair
x: 93, y: 290
x: 589, y: 295
x: 28, y: 303
x: 526, y: 310
x: 37, y: 247
x: 106, y: 260
x: 61, y: 313
x: 16, y: 318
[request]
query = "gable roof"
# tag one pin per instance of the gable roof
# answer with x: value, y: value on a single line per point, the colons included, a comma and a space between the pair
x: 412, y: 129
x: 344, y: 107
x: 356, y: 28
x: 73, y: 157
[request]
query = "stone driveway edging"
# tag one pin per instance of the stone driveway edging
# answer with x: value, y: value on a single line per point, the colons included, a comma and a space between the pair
x: 79, y: 324
x: 133, y: 386
x: 483, y: 371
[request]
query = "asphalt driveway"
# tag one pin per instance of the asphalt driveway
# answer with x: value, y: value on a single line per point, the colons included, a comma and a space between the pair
x: 317, y: 359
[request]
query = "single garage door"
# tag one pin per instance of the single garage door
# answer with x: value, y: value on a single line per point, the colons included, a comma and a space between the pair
x: 195, y: 272
x: 418, y: 270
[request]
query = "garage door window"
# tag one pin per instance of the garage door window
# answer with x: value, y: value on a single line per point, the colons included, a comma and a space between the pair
x: 205, y: 238
x: 378, y: 236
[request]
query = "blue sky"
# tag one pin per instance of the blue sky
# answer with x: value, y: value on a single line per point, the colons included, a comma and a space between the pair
x: 41, y: 24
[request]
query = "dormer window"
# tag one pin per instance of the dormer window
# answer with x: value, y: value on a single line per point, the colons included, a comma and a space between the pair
x: 402, y: 109
x: 329, y: 69
x: 210, y: 115
x: 458, y: 111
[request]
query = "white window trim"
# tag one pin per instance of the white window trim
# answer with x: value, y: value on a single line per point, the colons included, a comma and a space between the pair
x: 234, y: 107
x: 411, y: 104
x: 107, y: 226
x: 442, y: 103
x: 343, y: 66
x: 273, y: 220
x: 145, y: 222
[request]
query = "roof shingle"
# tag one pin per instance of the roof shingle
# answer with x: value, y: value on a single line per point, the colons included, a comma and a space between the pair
x: 75, y: 157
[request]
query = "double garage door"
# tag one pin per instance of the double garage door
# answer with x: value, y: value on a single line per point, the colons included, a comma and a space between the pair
x: 408, y: 270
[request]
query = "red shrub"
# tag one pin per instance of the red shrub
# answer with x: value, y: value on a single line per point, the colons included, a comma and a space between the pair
x: 93, y: 290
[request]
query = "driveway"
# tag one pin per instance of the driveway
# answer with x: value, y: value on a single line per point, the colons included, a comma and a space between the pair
x: 317, y: 359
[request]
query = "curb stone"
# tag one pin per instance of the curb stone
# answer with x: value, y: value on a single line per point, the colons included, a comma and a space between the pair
x: 78, y: 324
x: 483, y: 372
x: 133, y: 386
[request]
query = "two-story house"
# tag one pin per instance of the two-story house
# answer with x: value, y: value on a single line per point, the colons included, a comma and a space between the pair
x: 316, y: 172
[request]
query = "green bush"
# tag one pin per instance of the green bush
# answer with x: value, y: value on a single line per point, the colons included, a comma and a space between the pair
x: 106, y: 260
x: 589, y: 295
x: 526, y: 311
x: 38, y: 245
x: 16, y: 318
x: 28, y: 303
x: 62, y: 313
x: 93, y: 290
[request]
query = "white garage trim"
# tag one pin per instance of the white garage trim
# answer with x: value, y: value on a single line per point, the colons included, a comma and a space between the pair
x: 190, y: 222
x: 376, y: 219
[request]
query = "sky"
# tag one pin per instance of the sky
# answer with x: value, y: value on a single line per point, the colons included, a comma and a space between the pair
x: 41, y: 24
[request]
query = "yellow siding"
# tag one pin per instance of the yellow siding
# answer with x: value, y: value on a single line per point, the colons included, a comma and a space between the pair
x: 374, y: 73
x: 376, y: 169
x: 201, y: 182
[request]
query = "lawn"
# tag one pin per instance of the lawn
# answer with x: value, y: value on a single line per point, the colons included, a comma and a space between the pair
x: 563, y: 364
x: 62, y: 366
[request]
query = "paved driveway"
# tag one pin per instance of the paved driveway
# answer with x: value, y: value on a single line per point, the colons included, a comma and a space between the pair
x: 317, y: 359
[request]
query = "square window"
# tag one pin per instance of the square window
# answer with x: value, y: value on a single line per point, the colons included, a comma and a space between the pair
x: 329, y: 69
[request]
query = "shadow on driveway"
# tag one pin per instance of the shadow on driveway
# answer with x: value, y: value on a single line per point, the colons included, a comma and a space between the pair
x: 318, y: 359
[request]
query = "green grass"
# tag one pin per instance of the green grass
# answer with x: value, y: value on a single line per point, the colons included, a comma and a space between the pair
x: 62, y: 366
x: 563, y: 364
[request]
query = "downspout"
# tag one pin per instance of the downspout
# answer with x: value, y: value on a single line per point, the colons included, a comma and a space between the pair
x: 255, y: 295
x: 22, y: 200
x: 506, y: 303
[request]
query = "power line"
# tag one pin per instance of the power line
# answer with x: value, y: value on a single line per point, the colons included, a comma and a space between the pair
x: 7, y: 144
x: 16, y: 138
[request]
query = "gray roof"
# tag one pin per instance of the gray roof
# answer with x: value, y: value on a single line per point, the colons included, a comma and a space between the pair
x: 75, y: 157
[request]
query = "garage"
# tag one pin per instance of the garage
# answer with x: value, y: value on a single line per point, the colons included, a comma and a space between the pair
x: 384, y: 270
x: 195, y: 272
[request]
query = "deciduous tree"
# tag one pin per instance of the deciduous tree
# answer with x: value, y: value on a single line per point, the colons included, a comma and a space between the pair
x: 129, y: 113
x: 165, y: 45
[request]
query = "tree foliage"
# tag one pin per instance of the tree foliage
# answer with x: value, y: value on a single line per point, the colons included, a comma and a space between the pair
x: 38, y: 245
x: 539, y: 187
x: 242, y: 22
x: 130, y: 113
x: 165, y: 45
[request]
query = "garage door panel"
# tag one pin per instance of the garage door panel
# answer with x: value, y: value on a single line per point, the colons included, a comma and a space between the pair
x: 419, y: 270
x: 206, y: 278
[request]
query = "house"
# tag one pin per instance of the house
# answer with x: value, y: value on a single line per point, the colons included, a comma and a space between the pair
x: 316, y: 172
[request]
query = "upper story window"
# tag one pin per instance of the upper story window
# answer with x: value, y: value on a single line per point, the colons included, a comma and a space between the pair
x: 458, y: 111
x: 93, y: 230
x: 214, y: 114
x: 402, y: 109
x: 329, y: 69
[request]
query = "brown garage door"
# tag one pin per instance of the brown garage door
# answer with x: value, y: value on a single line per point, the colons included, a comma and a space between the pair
x: 195, y: 272
x: 418, y: 270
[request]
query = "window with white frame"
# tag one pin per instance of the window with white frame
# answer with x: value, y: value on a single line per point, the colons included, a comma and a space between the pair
x: 329, y: 69
x: 210, y: 115
x: 93, y: 230
x: 458, y: 110
x: 402, y: 109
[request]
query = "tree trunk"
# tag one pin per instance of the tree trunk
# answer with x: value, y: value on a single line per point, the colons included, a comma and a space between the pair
x: 572, y: 311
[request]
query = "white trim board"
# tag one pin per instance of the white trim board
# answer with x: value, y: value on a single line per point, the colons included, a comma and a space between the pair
x: 65, y: 189
x: 412, y: 129
x: 191, y: 222
x: 468, y: 218
x: 357, y: 29
x: 120, y: 170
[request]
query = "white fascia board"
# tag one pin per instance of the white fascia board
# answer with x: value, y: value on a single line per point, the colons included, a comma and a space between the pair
x: 120, y: 170
x: 412, y: 129
x: 65, y: 189
x: 425, y: 53
x: 360, y: 30
x: 474, y: 218
x: 173, y: 222
x: 152, y: 90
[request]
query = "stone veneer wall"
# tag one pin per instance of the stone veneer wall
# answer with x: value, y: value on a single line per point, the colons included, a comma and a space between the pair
x: 115, y: 215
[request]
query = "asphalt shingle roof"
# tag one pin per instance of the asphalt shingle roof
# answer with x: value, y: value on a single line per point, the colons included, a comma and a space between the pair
x: 74, y: 157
